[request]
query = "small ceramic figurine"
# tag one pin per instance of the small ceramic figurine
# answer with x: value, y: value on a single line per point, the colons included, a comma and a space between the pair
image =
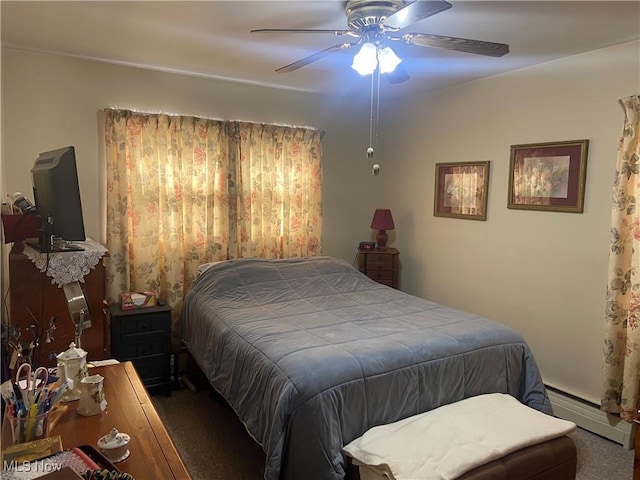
x: 114, y: 445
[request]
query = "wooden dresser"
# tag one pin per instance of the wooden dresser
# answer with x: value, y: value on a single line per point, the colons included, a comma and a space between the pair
x: 380, y: 265
x: 130, y: 410
x: 32, y: 291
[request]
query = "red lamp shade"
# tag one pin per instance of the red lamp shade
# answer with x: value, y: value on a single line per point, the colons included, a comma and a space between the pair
x: 382, y: 221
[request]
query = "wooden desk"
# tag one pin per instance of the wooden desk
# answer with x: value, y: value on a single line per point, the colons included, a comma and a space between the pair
x: 129, y: 409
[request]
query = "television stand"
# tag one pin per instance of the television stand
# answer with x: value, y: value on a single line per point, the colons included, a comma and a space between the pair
x: 55, y: 248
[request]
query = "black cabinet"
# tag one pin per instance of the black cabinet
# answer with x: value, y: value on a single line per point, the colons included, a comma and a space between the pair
x: 143, y: 336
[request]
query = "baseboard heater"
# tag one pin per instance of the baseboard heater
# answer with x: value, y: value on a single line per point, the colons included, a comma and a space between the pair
x: 588, y: 416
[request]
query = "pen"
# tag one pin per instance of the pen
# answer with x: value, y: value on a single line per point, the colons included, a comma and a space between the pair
x: 45, y: 421
x: 41, y: 395
x: 58, y: 394
x: 16, y: 391
x: 41, y: 404
x: 18, y: 397
x: 31, y: 422
x: 18, y: 427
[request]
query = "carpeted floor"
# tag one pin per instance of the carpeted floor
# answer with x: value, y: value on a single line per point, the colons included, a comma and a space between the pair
x: 214, y: 445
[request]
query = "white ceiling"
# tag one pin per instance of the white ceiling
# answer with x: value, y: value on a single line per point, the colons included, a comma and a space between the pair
x: 212, y: 38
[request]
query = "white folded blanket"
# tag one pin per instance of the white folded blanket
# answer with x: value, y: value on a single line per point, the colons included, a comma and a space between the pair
x: 446, y: 442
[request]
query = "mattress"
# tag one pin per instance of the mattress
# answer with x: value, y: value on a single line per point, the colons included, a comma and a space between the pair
x: 311, y: 353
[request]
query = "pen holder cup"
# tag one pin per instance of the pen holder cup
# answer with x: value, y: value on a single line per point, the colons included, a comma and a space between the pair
x: 29, y: 428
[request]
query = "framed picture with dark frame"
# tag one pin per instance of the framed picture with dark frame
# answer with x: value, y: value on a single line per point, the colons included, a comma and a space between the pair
x: 548, y: 176
x: 461, y: 190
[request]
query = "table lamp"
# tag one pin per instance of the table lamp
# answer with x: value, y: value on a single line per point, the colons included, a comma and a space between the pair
x: 382, y: 221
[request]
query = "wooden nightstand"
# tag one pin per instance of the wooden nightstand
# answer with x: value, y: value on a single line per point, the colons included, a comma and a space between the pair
x: 143, y: 336
x: 380, y: 265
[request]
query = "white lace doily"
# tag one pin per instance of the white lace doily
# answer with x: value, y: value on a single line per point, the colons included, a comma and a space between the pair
x: 67, y: 267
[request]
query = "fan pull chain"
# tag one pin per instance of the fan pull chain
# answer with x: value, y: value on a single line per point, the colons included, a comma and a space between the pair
x: 377, y: 73
x: 375, y: 77
x: 370, y: 149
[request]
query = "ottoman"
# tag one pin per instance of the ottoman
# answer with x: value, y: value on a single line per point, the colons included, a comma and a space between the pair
x: 480, y: 438
x: 551, y: 460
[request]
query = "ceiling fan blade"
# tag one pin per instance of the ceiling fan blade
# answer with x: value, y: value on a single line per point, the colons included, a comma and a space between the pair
x: 478, y: 47
x: 300, y: 30
x: 399, y: 75
x: 414, y: 12
x: 315, y: 57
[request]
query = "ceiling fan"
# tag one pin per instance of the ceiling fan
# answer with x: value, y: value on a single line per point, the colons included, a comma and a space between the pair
x: 379, y: 22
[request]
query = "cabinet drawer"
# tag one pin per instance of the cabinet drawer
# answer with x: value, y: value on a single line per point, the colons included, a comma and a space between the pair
x: 130, y: 350
x: 387, y: 281
x: 379, y: 259
x: 142, y: 324
x: 374, y: 266
x: 381, y: 276
x: 153, y: 370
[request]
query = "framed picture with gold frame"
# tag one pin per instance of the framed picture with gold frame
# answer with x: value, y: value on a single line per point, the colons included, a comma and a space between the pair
x: 461, y: 190
x: 548, y: 176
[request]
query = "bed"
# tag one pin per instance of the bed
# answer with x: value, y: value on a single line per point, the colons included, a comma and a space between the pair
x: 311, y: 353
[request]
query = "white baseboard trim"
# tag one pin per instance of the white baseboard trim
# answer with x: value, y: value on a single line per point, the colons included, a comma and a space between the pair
x: 589, y: 417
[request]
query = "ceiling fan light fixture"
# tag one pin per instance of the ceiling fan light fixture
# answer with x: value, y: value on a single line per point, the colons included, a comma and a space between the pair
x: 365, y: 61
x: 388, y: 60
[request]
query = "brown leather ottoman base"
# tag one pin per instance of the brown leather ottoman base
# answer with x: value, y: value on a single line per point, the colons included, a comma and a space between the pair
x: 552, y: 460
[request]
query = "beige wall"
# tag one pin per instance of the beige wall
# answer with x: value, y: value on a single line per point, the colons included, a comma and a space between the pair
x: 51, y: 101
x: 543, y: 273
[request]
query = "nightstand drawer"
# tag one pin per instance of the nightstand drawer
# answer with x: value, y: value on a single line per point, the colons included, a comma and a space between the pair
x: 129, y: 351
x: 376, y: 262
x: 376, y: 266
x: 380, y: 259
x: 153, y: 370
x: 142, y: 324
x: 385, y: 277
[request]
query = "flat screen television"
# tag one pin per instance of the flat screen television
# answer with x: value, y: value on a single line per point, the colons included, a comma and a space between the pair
x: 57, y: 199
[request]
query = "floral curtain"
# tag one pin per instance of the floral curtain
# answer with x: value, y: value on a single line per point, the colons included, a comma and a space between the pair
x: 182, y: 191
x: 621, y: 361
x: 278, y: 190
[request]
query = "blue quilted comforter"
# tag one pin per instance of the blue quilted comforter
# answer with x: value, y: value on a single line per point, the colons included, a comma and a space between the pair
x: 310, y: 354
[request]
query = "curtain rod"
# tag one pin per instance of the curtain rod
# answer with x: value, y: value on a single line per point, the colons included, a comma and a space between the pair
x: 158, y: 112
